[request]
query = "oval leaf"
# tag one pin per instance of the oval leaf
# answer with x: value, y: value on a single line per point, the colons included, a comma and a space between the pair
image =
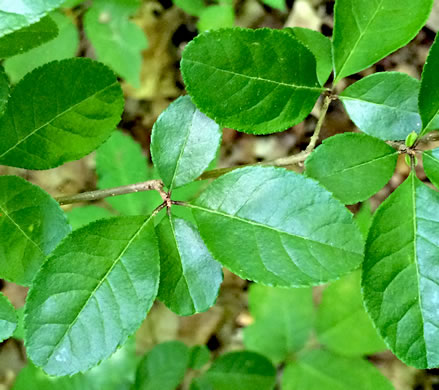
x: 400, y: 274
x: 352, y: 166
x: 91, y: 294
x: 189, y: 277
x: 277, y: 227
x: 184, y: 142
x: 31, y: 226
x: 62, y: 118
x: 8, y: 318
x: 430, y: 160
x: 232, y: 77
x: 4, y: 90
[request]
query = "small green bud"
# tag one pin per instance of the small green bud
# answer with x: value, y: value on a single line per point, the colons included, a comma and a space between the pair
x: 411, y: 139
x: 408, y: 160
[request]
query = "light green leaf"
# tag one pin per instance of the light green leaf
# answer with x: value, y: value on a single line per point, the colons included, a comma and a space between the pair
x: 67, y: 109
x: 400, y: 273
x: 199, y: 356
x: 363, y: 218
x: 8, y: 318
x: 352, y: 166
x: 92, y: 294
x: 320, y: 47
x: 189, y: 277
x: 242, y: 370
x: 118, y: 41
x: 215, y: 17
x: 429, y: 93
x: 21, y: 13
x: 283, y: 321
x: 367, y: 31
x: 319, y: 369
x: 191, y: 7
x: 31, y: 226
x: 81, y: 216
x: 4, y: 90
x: 63, y: 46
x: 343, y: 325
x: 28, y: 37
x: 232, y: 77
x: 71, y: 3
x: 277, y: 227
x: 278, y: 4
x: 163, y: 367
x: 430, y: 160
x: 184, y: 142
x: 120, y: 161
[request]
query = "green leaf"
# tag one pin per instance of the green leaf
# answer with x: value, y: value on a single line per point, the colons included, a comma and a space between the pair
x: 4, y: 90
x: 27, y: 38
x: 120, y: 161
x: 118, y: 41
x: 81, y: 216
x: 277, y: 227
x: 352, y: 166
x: 343, y: 325
x: 8, y: 318
x: 31, y: 226
x: 384, y: 105
x: 241, y: 370
x: 63, y: 46
x: 189, y: 277
x: 278, y: 4
x: 320, y: 47
x: 293, y: 310
x: 365, y: 31
x: 257, y: 81
x: 163, y: 367
x: 200, y: 383
x: 18, y: 14
x: 71, y: 3
x: 184, y: 142
x: 430, y: 160
x: 363, y: 218
x: 429, y: 94
x: 199, y: 356
x: 400, y: 275
x: 67, y: 109
x: 319, y: 369
x: 191, y: 7
x: 92, y: 294
x: 215, y: 17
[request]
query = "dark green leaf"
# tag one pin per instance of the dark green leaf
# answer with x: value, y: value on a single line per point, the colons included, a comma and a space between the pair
x: 163, y: 367
x: 8, y: 318
x: 92, y: 294
x: 400, y: 273
x: 63, y: 46
x: 189, y: 277
x: 201, y: 384
x: 184, y: 143
x: 429, y: 92
x: 28, y: 37
x: 277, y: 227
x: 352, y: 166
x: 241, y: 370
x: 31, y: 226
x: 319, y: 369
x: 320, y: 47
x: 257, y: 81
x: 67, y: 109
x: 199, y: 356
x: 81, y: 216
x: 365, y: 31
x: 283, y: 321
x: 431, y: 165
x: 215, y: 17
x: 4, y: 90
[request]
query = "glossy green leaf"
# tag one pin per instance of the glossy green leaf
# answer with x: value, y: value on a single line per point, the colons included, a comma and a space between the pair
x: 189, y: 277
x: 199, y: 356
x: 118, y: 42
x: 92, y: 294
x: 352, y: 166
x: 63, y: 46
x: 31, y: 226
x: 232, y: 78
x: 283, y: 321
x: 4, y: 90
x: 192, y: 7
x: 67, y: 109
x: 320, y: 47
x: 320, y: 369
x: 430, y: 160
x: 184, y: 142
x: 18, y: 14
x: 277, y: 227
x: 8, y: 318
x: 363, y: 218
x: 429, y: 93
x: 400, y: 274
x: 242, y: 370
x: 215, y: 17
x: 343, y: 325
x: 163, y: 367
x: 81, y: 216
x: 365, y: 31
x: 120, y: 161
